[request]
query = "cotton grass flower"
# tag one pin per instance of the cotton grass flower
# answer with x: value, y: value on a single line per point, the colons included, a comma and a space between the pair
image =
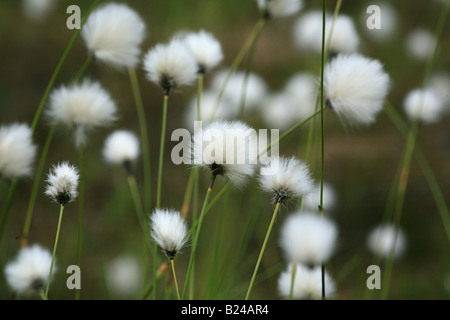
x: 170, y: 65
x: 419, y: 43
x: 123, y: 275
x: 169, y: 230
x: 424, y: 105
x: 113, y: 33
x: 82, y: 107
x: 62, y: 183
x: 311, y: 201
x: 291, y: 180
x: 308, y: 238
x: 280, y: 8
x: 206, y: 48
x: 307, y: 283
x: 355, y: 88
x: 17, y: 151
x: 37, y: 10
x: 386, y: 239
x: 28, y: 273
x: 121, y: 147
x: 226, y: 148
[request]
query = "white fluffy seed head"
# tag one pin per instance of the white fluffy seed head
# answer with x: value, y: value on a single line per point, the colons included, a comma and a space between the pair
x: 227, y: 148
x: 307, y: 31
x: 121, y: 147
x: 37, y: 10
x: 113, y: 33
x: 308, y: 238
x: 280, y: 8
x: 424, y: 105
x: 81, y: 107
x: 291, y: 180
x: 344, y: 37
x: 170, y: 65
x: 62, y: 183
x: 420, y: 43
x: 206, y: 48
x: 123, y: 275
x: 28, y: 272
x: 439, y: 82
x: 307, y: 283
x: 311, y: 201
x: 386, y: 239
x: 355, y: 88
x: 169, y: 230
x: 17, y: 151
x: 279, y: 111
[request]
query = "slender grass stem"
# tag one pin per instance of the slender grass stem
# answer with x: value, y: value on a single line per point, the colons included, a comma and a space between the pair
x: 161, y: 151
x: 199, y: 95
x: 12, y: 190
x: 80, y: 209
x: 61, y: 210
x: 35, y: 188
x: 138, y: 207
x: 261, y: 253
x: 196, y: 237
x: 294, y: 271
x: 175, y: 278
x: 83, y: 69
x: 144, y: 137
x: 237, y: 61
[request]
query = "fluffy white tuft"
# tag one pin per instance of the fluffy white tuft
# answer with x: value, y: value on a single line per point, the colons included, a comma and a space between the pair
x: 62, y: 183
x: 420, y: 43
x: 113, y: 33
x: 227, y: 148
x: 169, y: 230
x: 280, y: 8
x: 307, y: 283
x: 424, y: 105
x: 439, y: 82
x: 28, y: 273
x: 206, y: 49
x: 81, y: 107
x: 308, y: 238
x: 355, y: 88
x: 120, y: 147
x: 123, y: 276
x: 292, y: 179
x: 279, y: 111
x: 386, y: 239
x: 311, y: 201
x: 344, y: 37
x: 37, y: 10
x: 170, y: 65
x: 17, y: 150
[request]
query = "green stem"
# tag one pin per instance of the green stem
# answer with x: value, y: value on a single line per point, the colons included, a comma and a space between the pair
x: 83, y: 69
x: 161, y: 151
x: 294, y: 271
x: 35, y: 188
x: 175, y: 278
x: 138, y: 207
x: 261, y: 253
x: 80, y: 209
x: 144, y: 136
x: 8, y: 203
x: 195, y: 241
x: 61, y: 210
x: 237, y: 61
x: 199, y: 96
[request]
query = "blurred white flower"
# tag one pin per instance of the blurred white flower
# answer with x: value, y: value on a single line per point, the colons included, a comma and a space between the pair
x: 123, y: 275
x: 302, y: 87
x: 29, y: 272
x: 355, y: 88
x: 291, y: 180
x: 390, y: 20
x: 82, y: 107
x: 344, y: 37
x: 227, y: 148
x: 62, y: 183
x: 17, y: 151
x: 424, y: 105
x: 121, y: 147
x: 439, y: 82
x: 311, y: 201
x: 206, y: 49
x: 169, y: 230
x: 37, y: 10
x: 280, y: 8
x: 420, y: 43
x: 170, y: 65
x: 113, y: 33
x: 308, y: 238
x: 279, y: 111
x: 307, y: 283
x: 386, y: 239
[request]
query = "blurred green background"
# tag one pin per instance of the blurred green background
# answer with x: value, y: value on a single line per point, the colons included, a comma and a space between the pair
x: 359, y: 163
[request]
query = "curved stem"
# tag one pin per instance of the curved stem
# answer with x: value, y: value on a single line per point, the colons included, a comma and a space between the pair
x: 261, y: 253
x: 61, y: 210
x: 12, y: 190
